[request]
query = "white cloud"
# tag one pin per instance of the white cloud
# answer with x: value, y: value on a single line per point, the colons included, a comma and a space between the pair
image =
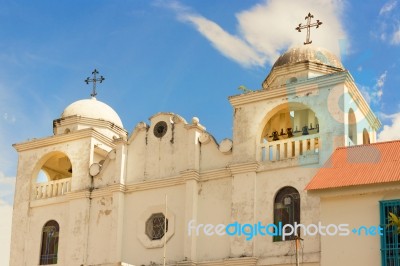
x: 5, y: 232
x: 374, y: 94
x: 231, y: 46
x: 396, y: 37
x: 388, y: 26
x: 387, y: 7
x: 265, y: 29
x: 391, y: 131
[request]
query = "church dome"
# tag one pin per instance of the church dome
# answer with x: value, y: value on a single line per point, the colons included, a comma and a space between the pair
x: 92, y: 108
x: 308, y: 53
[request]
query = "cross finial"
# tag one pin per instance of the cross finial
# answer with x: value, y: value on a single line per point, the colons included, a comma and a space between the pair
x: 308, y: 26
x: 94, y: 80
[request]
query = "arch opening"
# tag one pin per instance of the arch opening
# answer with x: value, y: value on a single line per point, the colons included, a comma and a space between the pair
x: 57, y: 167
x: 366, y: 139
x: 287, y: 210
x: 352, y: 126
x: 292, y: 120
x: 52, y: 176
x: 49, y: 246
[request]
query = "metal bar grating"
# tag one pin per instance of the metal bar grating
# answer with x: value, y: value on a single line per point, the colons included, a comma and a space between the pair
x: 390, y: 240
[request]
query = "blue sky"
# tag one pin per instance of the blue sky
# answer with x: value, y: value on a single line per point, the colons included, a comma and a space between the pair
x: 184, y: 57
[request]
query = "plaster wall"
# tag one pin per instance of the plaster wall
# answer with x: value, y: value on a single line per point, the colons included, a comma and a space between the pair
x: 356, y: 210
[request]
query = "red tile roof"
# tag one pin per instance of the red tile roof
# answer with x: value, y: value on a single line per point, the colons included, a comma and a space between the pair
x: 359, y: 165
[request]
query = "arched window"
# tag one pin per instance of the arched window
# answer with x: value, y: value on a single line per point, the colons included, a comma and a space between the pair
x: 352, y: 124
x: 366, y: 137
x: 286, y: 209
x: 49, y: 249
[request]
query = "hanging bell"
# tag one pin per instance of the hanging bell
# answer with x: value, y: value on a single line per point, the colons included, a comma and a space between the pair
x: 305, y: 130
x: 275, y: 135
x: 289, y: 132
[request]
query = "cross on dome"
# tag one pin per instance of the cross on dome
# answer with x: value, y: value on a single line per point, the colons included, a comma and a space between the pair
x: 94, y: 80
x: 308, y: 27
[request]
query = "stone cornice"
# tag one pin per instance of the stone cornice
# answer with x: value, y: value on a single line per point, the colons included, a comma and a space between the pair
x: 289, y: 89
x: 58, y: 139
x: 153, y: 184
x: 144, y: 185
x: 78, y: 194
x: 72, y: 120
x: 244, y: 261
x: 215, y: 174
x: 108, y: 191
x: 362, y: 103
x: 242, y: 168
x: 190, y: 175
x: 300, y: 67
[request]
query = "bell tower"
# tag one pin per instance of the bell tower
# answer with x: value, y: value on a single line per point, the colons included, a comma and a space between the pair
x: 55, y: 199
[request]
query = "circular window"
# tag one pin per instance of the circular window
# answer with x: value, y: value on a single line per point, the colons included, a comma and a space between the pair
x: 155, y: 226
x: 160, y: 129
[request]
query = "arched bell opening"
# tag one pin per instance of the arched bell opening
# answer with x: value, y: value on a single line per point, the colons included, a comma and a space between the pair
x: 53, y: 176
x: 56, y: 167
x: 352, y: 126
x: 366, y: 139
x: 288, y: 131
x: 293, y: 120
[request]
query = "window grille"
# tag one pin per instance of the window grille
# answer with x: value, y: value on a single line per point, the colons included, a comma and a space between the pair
x: 49, y: 249
x: 390, y: 240
x: 286, y: 209
x: 155, y: 226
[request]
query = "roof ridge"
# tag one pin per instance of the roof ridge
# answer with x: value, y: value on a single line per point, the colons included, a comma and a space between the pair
x: 370, y: 144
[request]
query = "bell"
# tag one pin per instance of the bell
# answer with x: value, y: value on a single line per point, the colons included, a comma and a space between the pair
x: 289, y: 132
x: 305, y: 130
x: 275, y: 135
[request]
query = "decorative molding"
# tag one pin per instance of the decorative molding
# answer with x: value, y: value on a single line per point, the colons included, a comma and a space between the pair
x: 242, y: 168
x: 295, y: 69
x: 215, y: 174
x: 48, y: 201
x: 141, y: 126
x: 153, y: 184
x: 58, y: 139
x: 186, y: 263
x: 76, y: 119
x: 302, y: 160
x: 290, y: 89
x: 78, y: 194
x: 190, y: 175
x: 244, y: 261
x: 362, y: 103
x: 139, y: 186
x: 107, y: 191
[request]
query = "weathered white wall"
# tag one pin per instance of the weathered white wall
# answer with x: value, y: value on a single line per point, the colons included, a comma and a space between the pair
x: 356, y: 209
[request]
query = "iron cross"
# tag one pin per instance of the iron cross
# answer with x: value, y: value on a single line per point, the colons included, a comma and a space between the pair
x: 308, y: 26
x: 94, y: 80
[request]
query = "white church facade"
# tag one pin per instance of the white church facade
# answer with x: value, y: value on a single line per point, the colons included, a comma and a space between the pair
x: 104, y: 200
